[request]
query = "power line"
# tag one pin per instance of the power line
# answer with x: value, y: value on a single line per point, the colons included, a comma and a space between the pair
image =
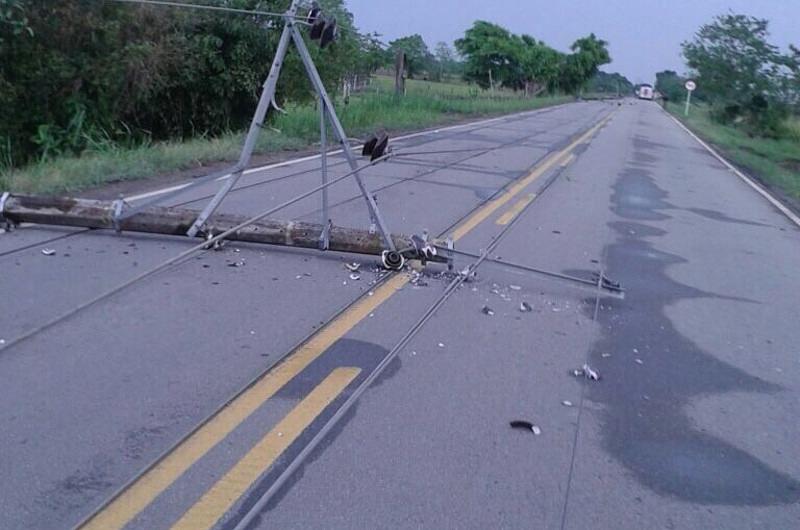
x: 211, y: 8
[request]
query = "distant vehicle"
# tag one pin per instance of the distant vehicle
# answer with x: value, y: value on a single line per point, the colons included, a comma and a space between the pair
x: 645, y: 92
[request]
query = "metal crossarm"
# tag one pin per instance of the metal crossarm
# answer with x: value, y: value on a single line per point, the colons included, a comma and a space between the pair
x: 313, y: 74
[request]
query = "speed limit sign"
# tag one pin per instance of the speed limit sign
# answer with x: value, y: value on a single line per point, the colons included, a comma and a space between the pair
x: 690, y: 86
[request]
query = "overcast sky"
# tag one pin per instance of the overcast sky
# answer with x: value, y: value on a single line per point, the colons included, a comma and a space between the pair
x: 645, y: 36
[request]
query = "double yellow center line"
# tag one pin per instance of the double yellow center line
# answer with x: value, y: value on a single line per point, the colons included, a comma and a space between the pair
x: 123, y: 508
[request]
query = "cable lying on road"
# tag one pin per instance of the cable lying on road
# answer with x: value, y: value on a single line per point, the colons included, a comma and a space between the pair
x: 602, y: 283
x: 340, y: 413
x: 207, y: 244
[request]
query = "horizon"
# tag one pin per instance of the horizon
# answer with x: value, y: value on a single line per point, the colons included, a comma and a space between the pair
x: 666, y: 27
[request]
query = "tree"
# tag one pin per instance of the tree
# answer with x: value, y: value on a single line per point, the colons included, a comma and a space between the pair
x: 733, y: 57
x: 446, y: 60
x: 610, y: 83
x: 519, y: 62
x: 588, y: 54
x: 13, y: 21
x: 740, y: 71
x: 85, y: 74
x: 540, y: 64
x: 418, y: 57
x: 792, y: 81
x: 373, y: 54
x: 671, y: 85
x: 492, y: 55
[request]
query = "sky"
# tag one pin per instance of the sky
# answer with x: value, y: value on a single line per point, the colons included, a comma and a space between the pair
x: 644, y: 36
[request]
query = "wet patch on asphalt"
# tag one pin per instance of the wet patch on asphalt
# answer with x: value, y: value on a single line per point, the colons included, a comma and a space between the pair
x: 637, y: 197
x: 719, y: 216
x: 642, y: 142
x: 653, y: 372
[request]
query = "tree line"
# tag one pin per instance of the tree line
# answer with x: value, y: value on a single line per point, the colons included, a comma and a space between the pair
x: 747, y: 81
x: 78, y: 75
x: 492, y: 54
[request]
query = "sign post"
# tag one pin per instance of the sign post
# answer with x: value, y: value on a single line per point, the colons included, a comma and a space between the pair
x: 690, y: 87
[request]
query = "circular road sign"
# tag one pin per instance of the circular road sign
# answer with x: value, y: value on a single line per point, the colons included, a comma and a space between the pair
x: 690, y: 85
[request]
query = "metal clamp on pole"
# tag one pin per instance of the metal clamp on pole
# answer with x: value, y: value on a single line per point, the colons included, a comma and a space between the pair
x: 118, y: 206
x: 325, y: 236
x: 450, y: 257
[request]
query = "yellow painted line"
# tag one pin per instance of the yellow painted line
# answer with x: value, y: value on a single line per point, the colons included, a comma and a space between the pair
x: 222, y: 495
x: 131, y: 501
x: 515, y: 210
x: 492, y: 206
x: 142, y: 492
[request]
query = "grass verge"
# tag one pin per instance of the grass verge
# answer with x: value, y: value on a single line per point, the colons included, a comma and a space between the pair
x: 425, y: 105
x: 774, y: 161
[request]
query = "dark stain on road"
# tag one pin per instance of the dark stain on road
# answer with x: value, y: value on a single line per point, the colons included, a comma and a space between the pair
x: 658, y: 372
x: 719, y: 216
x: 641, y: 200
x: 642, y: 142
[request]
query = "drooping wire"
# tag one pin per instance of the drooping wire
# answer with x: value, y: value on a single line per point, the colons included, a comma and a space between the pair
x: 299, y: 18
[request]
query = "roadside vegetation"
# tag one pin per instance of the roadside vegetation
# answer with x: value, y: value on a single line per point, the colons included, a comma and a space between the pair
x: 748, y: 98
x: 103, y: 91
x: 426, y: 104
x: 775, y: 161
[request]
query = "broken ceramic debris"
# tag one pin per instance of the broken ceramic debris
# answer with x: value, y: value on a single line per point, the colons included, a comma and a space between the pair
x: 237, y: 264
x: 566, y: 403
x: 216, y: 245
x: 417, y: 279
x: 526, y: 425
x: 638, y: 361
x: 515, y: 287
x: 353, y: 267
x: 486, y: 310
x: 49, y: 251
x: 590, y: 374
x: 355, y: 276
x: 525, y: 307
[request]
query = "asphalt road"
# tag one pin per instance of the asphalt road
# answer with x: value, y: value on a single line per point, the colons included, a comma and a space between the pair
x: 114, y: 416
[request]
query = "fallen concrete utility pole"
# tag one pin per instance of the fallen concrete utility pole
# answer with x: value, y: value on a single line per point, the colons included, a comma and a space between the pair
x: 87, y: 213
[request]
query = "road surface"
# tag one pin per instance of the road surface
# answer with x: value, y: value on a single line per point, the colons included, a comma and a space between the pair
x: 180, y: 401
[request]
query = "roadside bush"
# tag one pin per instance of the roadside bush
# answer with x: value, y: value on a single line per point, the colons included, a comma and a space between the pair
x: 79, y: 75
x: 757, y: 116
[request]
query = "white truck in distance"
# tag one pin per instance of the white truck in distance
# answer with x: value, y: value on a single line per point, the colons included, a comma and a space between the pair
x: 645, y: 92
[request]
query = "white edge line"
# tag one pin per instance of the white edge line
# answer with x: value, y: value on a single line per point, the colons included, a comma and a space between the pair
x: 287, y: 163
x: 749, y: 181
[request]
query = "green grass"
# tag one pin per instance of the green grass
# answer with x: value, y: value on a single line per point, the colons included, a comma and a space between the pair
x: 426, y: 104
x: 447, y: 89
x: 793, y: 129
x: 775, y: 161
